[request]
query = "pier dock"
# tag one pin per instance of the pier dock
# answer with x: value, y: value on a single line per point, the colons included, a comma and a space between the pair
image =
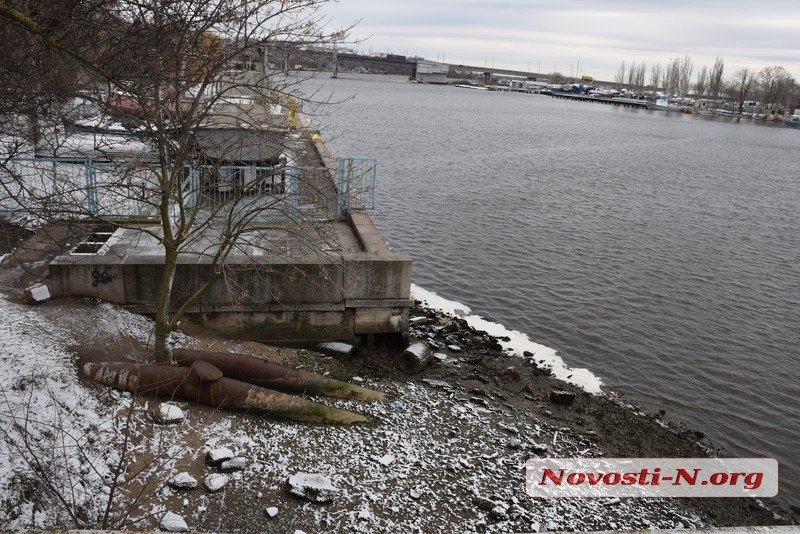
x: 612, y: 101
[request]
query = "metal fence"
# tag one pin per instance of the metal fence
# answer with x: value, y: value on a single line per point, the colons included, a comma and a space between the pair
x: 56, y: 187
x: 66, y: 187
x: 356, y: 185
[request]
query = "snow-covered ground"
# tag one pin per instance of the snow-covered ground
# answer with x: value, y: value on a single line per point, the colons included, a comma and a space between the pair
x: 435, y: 459
x: 56, y: 434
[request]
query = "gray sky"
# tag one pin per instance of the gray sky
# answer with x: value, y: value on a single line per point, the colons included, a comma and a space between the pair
x: 580, y: 36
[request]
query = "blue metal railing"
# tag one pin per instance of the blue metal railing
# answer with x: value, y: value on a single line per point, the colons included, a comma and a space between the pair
x: 130, y: 189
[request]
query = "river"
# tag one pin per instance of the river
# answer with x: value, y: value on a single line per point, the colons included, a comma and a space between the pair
x: 659, y: 250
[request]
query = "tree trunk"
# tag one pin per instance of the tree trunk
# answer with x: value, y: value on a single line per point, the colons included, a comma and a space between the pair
x: 162, y: 327
x: 34, y: 132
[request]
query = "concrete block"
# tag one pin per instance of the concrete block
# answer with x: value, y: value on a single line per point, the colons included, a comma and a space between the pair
x: 37, y: 293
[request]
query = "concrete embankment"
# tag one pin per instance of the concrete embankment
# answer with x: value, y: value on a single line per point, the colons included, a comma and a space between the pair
x: 333, y: 277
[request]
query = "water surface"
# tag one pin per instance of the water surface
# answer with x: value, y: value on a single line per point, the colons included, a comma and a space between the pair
x: 659, y: 250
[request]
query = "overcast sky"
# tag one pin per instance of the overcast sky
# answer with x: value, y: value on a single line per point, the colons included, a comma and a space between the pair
x: 589, y: 37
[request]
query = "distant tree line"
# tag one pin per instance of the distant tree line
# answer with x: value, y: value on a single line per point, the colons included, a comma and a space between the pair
x: 772, y: 87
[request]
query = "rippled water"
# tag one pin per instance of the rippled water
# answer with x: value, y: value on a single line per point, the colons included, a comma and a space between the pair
x: 661, y: 251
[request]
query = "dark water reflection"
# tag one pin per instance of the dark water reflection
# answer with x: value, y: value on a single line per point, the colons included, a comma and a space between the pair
x: 661, y: 251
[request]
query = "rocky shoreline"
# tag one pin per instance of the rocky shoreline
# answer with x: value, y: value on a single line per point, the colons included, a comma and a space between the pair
x: 444, y: 452
x: 487, y: 373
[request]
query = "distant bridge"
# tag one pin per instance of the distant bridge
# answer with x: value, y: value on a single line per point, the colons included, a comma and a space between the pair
x: 386, y: 62
x: 411, y: 66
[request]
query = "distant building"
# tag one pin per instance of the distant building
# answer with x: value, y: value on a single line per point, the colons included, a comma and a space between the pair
x: 432, y: 72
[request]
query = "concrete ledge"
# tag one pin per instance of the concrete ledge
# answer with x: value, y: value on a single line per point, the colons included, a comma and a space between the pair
x: 382, y: 303
x: 359, y: 286
x: 366, y: 232
x: 308, y: 306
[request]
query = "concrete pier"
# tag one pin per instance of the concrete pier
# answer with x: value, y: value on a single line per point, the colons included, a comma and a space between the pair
x: 613, y: 101
x: 332, y: 278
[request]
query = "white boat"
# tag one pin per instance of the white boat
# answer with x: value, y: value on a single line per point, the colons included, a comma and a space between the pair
x: 663, y: 105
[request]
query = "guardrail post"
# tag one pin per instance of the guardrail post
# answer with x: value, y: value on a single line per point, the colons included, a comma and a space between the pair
x: 92, y: 202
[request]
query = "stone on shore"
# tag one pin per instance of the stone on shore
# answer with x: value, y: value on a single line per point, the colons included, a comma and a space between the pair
x: 172, y: 522
x: 336, y: 347
x: 215, y: 482
x: 271, y: 511
x: 215, y: 457
x: 37, y: 293
x: 234, y: 464
x: 416, y: 357
x: 386, y: 460
x: 168, y: 414
x: 314, y: 487
x: 182, y: 481
x: 562, y: 397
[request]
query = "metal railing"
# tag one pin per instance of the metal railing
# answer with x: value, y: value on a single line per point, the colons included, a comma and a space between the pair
x: 60, y: 187
x: 356, y: 185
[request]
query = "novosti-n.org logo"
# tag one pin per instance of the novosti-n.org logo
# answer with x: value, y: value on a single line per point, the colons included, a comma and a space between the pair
x: 651, y: 477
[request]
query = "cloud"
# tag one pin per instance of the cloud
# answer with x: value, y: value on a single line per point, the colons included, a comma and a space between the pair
x: 515, y: 34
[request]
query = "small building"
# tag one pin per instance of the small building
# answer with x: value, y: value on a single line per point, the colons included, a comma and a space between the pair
x: 432, y: 72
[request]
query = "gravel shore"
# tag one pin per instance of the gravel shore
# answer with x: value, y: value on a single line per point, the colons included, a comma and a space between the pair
x: 445, y: 452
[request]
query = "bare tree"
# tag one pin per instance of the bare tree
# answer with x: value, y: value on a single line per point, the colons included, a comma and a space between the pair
x: 776, y: 85
x: 169, y: 71
x: 701, y: 84
x: 631, y: 76
x: 672, y: 76
x: 655, y: 76
x: 619, y: 77
x: 685, y: 78
x: 715, y: 79
x: 639, y: 77
x: 60, y: 467
x: 741, y: 87
x: 38, y: 79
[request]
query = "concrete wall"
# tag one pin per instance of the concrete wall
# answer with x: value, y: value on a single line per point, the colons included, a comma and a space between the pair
x: 362, y: 290
x: 360, y: 293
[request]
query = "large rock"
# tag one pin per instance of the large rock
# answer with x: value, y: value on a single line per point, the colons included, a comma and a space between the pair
x: 215, y: 482
x: 215, y: 457
x: 172, y: 522
x: 37, y: 293
x: 337, y: 347
x: 168, y: 414
x: 562, y: 397
x: 315, y: 488
x: 234, y: 464
x: 182, y: 481
x: 416, y: 357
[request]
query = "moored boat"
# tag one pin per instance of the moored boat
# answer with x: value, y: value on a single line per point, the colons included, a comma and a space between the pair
x: 663, y: 105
